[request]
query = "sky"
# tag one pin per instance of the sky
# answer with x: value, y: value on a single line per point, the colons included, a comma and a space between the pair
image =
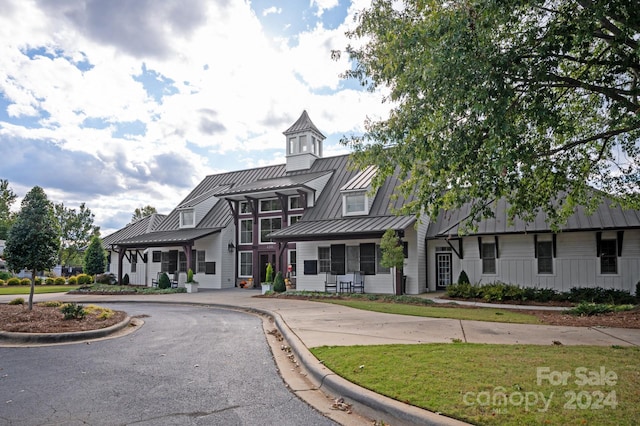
x: 121, y: 104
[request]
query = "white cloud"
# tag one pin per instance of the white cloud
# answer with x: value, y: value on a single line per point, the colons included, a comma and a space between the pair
x: 272, y: 10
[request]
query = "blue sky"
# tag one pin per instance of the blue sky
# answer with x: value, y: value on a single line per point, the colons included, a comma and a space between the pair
x: 125, y: 103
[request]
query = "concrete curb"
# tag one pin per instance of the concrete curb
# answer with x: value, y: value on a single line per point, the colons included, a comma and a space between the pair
x: 74, y: 336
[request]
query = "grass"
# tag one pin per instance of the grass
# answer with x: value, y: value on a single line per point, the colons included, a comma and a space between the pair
x: 39, y: 289
x: 498, y: 384
x: 476, y: 314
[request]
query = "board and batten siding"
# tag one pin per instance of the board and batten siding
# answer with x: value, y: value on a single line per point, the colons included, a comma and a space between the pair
x: 575, y: 264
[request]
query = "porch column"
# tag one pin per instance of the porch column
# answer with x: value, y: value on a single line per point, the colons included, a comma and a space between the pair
x: 121, y: 253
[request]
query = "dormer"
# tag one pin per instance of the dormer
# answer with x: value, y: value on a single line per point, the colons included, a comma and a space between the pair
x: 304, y: 144
x: 356, y: 194
x: 194, y: 210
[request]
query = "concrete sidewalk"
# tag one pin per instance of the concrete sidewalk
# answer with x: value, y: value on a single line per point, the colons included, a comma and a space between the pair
x: 306, y: 324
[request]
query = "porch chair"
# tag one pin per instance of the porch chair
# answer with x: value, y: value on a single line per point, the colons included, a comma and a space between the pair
x: 331, y: 282
x: 175, y: 280
x: 357, y: 286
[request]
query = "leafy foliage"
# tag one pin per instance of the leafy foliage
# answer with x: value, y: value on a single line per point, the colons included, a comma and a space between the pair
x: 17, y: 301
x: 269, y: 273
x: 392, y: 251
x: 76, y: 231
x: 7, y: 198
x: 142, y: 212
x: 463, y: 278
x: 164, y: 281
x: 278, y: 283
x: 95, y: 260
x: 73, y: 311
x: 530, y: 101
x: 33, y: 241
x: 190, y: 276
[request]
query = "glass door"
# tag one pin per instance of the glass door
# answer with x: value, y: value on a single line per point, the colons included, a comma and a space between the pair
x: 443, y: 270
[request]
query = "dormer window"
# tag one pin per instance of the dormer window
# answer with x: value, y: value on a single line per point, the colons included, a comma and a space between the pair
x: 187, y: 218
x: 355, y: 203
x: 295, y: 202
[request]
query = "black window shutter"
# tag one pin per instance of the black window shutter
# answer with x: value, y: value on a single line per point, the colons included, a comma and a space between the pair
x: 337, y: 258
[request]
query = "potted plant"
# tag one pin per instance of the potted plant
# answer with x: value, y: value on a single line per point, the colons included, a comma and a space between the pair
x: 266, y: 285
x: 278, y: 283
x: 191, y: 284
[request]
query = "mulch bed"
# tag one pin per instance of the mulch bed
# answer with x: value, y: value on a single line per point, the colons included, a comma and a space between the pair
x: 18, y: 318
x: 625, y: 319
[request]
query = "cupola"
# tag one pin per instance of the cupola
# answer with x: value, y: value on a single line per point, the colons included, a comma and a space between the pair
x: 304, y: 144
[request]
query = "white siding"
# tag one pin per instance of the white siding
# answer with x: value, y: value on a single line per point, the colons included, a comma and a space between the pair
x: 575, y: 265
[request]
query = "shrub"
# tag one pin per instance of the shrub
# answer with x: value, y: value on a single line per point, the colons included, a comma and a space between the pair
x: 269, y: 273
x: 25, y: 281
x: 17, y: 301
x: 2, y: 282
x: 73, y: 311
x: 72, y: 281
x: 600, y: 295
x: 38, y: 281
x: 163, y: 281
x: 99, y: 311
x: 638, y: 291
x: 463, y: 290
x: 50, y: 304
x: 107, y: 278
x: 4, y: 275
x: 463, y: 278
x: 278, y: 283
x: 59, y: 281
x: 190, y: 276
x: 50, y: 281
x: 125, y: 279
x: 83, y: 279
x: 586, y: 309
x: 13, y: 281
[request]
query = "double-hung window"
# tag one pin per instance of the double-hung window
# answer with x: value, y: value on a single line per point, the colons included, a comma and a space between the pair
x: 545, y: 257
x: 488, y: 258
x: 608, y: 257
x: 246, y: 263
x: 246, y: 231
x: 267, y: 226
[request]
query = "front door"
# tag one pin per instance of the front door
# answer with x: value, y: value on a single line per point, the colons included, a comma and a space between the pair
x: 443, y: 270
x: 265, y: 258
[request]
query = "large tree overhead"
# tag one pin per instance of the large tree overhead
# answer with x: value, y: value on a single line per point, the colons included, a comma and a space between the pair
x: 7, y: 198
x: 518, y: 99
x: 34, y: 238
x: 76, y: 229
x: 142, y: 212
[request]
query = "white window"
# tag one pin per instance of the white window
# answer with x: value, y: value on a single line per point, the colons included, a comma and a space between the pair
x: 187, y: 219
x: 488, y: 258
x: 314, y: 145
x: 324, y: 259
x: 270, y: 205
x: 244, y: 207
x: 246, y: 231
x: 246, y: 263
x: 545, y: 257
x: 354, y: 204
x: 294, y: 219
x: 292, y: 146
x: 295, y: 202
x: 267, y: 226
x: 303, y: 143
x: 292, y: 262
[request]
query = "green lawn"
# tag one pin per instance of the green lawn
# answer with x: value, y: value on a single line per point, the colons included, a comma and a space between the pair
x: 477, y: 314
x: 39, y: 289
x: 498, y: 384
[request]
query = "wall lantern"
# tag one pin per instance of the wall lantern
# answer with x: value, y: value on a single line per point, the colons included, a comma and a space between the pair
x: 230, y: 246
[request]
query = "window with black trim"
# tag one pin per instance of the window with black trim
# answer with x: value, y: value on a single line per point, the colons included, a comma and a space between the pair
x: 337, y: 258
x: 270, y: 205
x: 608, y: 257
x: 488, y: 258
x: 545, y: 257
x: 295, y: 202
x: 201, y: 261
x: 243, y: 206
x: 156, y: 256
x: 182, y: 263
x: 134, y: 262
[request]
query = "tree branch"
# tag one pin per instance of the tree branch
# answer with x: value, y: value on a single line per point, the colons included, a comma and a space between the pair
x: 605, y: 135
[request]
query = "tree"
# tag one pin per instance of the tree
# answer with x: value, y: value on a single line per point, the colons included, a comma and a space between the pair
x: 141, y: 213
x: 94, y: 258
x: 526, y: 100
x: 34, y: 239
x: 77, y: 230
x: 7, y: 198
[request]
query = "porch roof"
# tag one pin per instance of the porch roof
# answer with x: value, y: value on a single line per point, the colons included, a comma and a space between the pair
x: 361, y: 227
x: 166, y: 238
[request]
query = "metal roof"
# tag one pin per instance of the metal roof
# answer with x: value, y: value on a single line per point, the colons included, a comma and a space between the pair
x: 362, y: 180
x: 283, y: 182
x: 164, y: 238
x: 140, y: 227
x: 607, y: 216
x: 343, y: 228
x: 303, y: 124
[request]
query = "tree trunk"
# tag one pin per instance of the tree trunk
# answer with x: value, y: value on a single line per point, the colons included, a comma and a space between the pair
x: 33, y: 288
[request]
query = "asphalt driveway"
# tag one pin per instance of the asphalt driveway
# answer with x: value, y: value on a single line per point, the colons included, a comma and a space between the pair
x: 187, y: 365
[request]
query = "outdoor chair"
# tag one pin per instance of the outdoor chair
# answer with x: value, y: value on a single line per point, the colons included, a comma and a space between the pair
x: 357, y: 286
x: 331, y: 282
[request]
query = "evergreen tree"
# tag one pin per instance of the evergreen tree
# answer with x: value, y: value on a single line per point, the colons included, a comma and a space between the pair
x: 34, y: 239
x: 94, y: 258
